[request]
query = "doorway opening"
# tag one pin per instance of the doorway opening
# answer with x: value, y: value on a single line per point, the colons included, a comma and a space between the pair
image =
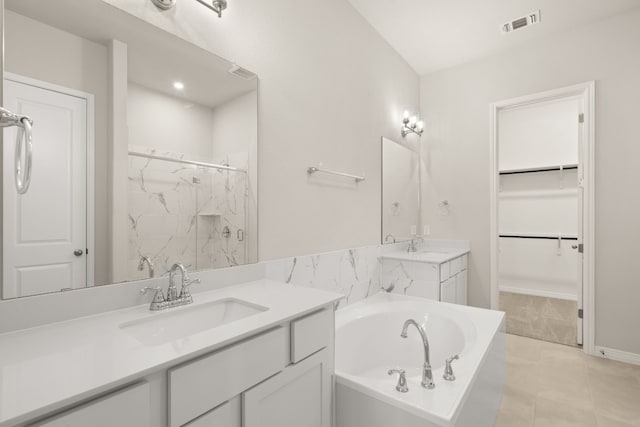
x: 542, y: 215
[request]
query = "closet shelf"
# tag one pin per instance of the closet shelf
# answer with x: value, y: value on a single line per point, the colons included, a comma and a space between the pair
x: 539, y: 236
x: 540, y: 169
x: 522, y: 194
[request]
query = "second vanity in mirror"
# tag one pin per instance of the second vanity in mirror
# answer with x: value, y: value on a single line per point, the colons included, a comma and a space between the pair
x: 144, y: 151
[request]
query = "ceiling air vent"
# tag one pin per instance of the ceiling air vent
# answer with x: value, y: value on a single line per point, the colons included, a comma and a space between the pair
x: 520, y: 23
x: 243, y: 73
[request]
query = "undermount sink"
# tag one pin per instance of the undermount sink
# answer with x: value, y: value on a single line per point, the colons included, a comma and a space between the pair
x: 186, y: 321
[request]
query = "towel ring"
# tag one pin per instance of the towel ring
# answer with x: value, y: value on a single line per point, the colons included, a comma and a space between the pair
x: 24, y: 143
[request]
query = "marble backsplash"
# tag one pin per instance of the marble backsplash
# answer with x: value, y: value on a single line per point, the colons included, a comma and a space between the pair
x: 352, y: 272
x: 181, y: 213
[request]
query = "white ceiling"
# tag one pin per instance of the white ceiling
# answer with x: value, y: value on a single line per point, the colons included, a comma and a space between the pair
x: 435, y: 34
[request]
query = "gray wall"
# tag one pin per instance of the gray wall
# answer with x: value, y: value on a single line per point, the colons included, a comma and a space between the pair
x: 455, y: 105
x: 330, y: 87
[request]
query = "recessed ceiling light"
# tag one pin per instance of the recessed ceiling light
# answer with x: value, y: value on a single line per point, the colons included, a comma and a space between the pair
x: 178, y: 85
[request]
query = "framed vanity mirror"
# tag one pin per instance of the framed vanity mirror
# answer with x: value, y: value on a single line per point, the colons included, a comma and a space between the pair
x: 144, y: 151
x: 400, y: 190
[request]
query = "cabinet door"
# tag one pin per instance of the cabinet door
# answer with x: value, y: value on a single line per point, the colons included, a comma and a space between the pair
x: 448, y: 290
x: 461, y: 287
x: 299, y: 396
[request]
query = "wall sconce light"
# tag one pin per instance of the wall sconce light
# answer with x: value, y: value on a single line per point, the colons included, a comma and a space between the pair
x: 411, y: 124
x: 216, y: 5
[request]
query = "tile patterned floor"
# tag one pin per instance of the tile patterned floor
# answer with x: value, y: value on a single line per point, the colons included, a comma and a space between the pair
x: 548, y: 319
x: 552, y: 385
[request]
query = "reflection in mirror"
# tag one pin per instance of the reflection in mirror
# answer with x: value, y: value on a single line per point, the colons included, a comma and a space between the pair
x: 400, y: 190
x: 144, y: 151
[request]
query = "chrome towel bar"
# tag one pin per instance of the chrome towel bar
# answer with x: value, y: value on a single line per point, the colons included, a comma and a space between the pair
x: 312, y: 169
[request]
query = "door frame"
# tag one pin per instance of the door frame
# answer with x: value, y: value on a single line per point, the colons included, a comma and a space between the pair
x: 90, y: 198
x: 586, y: 93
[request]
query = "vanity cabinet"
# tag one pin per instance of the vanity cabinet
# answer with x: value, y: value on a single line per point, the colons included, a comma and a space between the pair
x: 444, y: 281
x: 201, y: 385
x: 127, y: 407
x: 299, y: 396
x: 276, y: 378
x: 453, y: 280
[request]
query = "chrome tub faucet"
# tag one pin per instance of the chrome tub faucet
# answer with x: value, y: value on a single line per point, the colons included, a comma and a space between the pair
x: 427, y: 375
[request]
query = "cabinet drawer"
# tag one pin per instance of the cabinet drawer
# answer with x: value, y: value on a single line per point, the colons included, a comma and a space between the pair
x: 311, y: 333
x: 128, y: 407
x: 455, y: 265
x: 199, y: 386
x: 444, y: 271
x: 219, y: 417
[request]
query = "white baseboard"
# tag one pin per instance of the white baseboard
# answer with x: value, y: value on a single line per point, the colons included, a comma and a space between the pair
x: 619, y: 355
x: 538, y: 293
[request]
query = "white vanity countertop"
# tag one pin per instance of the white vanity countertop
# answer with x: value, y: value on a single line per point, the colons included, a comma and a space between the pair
x: 431, y: 256
x: 47, y: 368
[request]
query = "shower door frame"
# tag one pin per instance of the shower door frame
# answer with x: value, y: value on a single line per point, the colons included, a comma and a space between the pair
x: 586, y: 93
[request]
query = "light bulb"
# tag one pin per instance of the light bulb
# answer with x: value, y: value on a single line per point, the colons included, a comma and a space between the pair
x: 178, y: 85
x: 413, y: 120
x: 420, y: 125
x: 406, y: 114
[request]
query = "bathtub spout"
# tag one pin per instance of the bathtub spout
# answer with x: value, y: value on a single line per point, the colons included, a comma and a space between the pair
x: 427, y: 375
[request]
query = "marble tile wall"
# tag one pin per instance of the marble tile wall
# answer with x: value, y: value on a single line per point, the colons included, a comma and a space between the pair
x: 177, y: 213
x: 359, y: 273
x: 352, y: 272
x: 410, y: 278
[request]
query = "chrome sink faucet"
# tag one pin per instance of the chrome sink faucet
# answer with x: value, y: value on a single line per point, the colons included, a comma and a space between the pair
x: 184, y: 297
x: 413, y: 244
x: 146, y: 260
x: 427, y: 375
x: 173, y: 298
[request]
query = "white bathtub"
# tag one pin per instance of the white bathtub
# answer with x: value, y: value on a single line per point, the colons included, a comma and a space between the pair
x: 368, y: 344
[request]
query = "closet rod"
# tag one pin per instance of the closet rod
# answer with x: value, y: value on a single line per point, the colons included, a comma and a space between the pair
x: 544, y: 169
x: 517, y: 236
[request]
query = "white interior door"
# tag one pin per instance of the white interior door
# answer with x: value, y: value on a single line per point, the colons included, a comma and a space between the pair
x: 45, y: 230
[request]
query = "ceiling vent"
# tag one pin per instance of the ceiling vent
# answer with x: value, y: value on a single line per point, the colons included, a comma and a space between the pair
x: 243, y: 73
x: 520, y: 23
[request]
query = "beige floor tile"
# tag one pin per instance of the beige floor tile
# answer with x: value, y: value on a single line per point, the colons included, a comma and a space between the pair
x: 554, y: 385
x: 548, y: 413
x: 616, y: 397
x: 604, y: 421
x: 612, y: 367
x: 523, y: 348
x: 513, y: 420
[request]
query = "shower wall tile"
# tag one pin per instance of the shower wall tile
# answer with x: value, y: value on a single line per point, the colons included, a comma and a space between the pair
x: 170, y: 212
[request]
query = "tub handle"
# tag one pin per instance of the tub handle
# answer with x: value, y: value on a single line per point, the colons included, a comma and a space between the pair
x: 402, y: 380
x: 448, y: 370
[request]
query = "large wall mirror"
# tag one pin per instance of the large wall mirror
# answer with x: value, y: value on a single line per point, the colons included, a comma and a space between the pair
x: 400, y: 190
x: 144, y: 151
